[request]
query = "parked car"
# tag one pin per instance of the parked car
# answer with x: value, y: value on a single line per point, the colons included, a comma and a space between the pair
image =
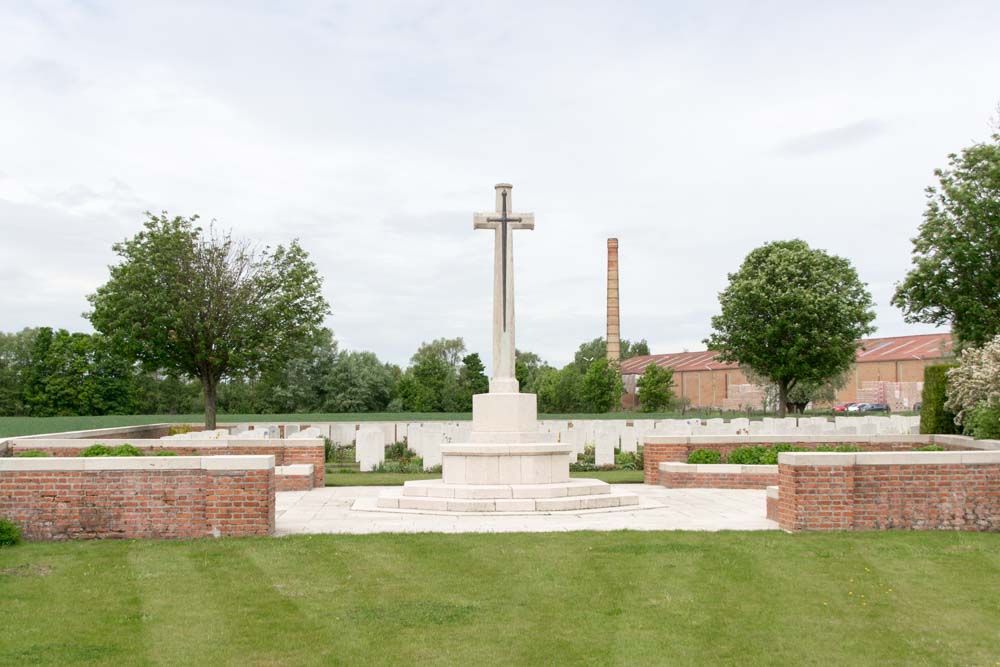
x: 842, y: 407
x: 874, y: 407
x: 855, y: 407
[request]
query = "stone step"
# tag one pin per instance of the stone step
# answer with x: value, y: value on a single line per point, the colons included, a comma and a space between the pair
x: 517, y: 505
x: 436, y: 488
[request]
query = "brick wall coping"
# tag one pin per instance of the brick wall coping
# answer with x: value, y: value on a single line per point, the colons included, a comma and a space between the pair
x: 296, y: 469
x: 256, y: 462
x: 719, y: 468
x: 887, y: 458
x: 157, y: 443
x: 952, y: 440
x: 772, y: 492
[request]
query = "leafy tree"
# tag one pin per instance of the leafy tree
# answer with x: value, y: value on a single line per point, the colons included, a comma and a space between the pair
x: 793, y: 315
x: 593, y: 350
x: 302, y: 382
x: 528, y: 368
x: 15, y: 360
x: 76, y: 374
x: 472, y: 379
x: 359, y: 382
x: 560, y: 392
x: 602, y: 386
x: 956, y: 255
x: 656, y: 388
x: 205, y: 305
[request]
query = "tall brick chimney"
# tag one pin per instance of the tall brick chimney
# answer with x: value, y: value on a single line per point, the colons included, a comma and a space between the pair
x: 614, y: 329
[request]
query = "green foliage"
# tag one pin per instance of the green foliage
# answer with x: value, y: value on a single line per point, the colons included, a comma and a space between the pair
x: 15, y: 361
x: 593, y: 350
x: 126, y: 450
x: 561, y: 392
x: 413, y: 465
x: 97, y: 450
x: 75, y: 374
x: 472, y: 380
x: 929, y: 448
x: 628, y: 461
x: 398, y: 451
x: 10, y: 533
x: 327, y: 449
x: 432, y: 382
x: 956, y: 275
x: 164, y: 452
x: 31, y: 454
x: 983, y: 422
x: 746, y: 455
x: 705, y: 456
x: 792, y: 314
x: 839, y: 449
x: 205, y: 305
x: 602, y: 387
x: 529, y: 370
x: 934, y: 417
x: 656, y: 388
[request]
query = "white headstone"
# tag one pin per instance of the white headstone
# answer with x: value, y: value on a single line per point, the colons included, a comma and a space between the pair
x: 371, y: 448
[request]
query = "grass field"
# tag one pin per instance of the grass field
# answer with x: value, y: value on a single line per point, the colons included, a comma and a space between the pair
x: 10, y: 426
x: 397, y: 479
x: 623, y: 598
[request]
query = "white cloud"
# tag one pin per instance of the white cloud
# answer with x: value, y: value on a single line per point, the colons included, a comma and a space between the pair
x: 372, y: 131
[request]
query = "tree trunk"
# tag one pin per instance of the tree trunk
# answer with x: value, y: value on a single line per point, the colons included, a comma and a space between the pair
x: 782, y: 397
x: 208, y: 387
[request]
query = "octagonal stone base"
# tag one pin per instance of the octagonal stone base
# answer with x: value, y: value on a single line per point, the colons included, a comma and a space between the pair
x: 482, y: 463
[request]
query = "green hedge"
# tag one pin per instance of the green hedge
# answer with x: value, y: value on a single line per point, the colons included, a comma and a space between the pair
x: 933, y: 417
x: 704, y: 456
x: 10, y: 534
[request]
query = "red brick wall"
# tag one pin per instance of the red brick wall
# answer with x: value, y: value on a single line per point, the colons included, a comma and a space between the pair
x: 960, y: 496
x: 283, y: 454
x: 130, y: 504
x: 772, y: 508
x: 292, y: 483
x: 654, y: 454
x: 705, y: 480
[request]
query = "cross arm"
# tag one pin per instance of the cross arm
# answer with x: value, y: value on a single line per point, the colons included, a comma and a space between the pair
x: 481, y: 221
x: 527, y: 221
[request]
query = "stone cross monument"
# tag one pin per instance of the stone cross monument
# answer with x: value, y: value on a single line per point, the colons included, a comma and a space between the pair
x: 507, y: 464
x: 503, y: 221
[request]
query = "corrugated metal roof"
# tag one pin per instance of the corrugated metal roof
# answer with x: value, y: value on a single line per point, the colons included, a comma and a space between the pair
x: 897, y: 348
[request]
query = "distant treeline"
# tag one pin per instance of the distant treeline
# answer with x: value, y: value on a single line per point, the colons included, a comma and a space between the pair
x: 48, y: 372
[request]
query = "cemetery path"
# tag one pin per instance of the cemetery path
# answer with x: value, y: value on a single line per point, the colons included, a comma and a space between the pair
x: 352, y: 510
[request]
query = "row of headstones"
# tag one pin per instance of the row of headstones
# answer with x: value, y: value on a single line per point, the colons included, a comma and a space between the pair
x: 250, y: 432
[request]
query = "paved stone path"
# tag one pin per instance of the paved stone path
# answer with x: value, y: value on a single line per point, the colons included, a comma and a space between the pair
x: 352, y: 510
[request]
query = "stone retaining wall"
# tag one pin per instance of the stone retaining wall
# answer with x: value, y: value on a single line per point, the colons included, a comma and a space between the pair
x: 881, y: 491
x: 676, y: 449
x: 772, y: 503
x: 717, y: 476
x: 285, y: 452
x: 132, y: 497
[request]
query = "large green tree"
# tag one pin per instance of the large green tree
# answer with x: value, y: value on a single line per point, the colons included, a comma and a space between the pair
x: 15, y: 361
x: 955, y: 277
x: 792, y: 314
x: 602, y: 386
x: 656, y: 388
x: 201, y: 303
x: 597, y: 348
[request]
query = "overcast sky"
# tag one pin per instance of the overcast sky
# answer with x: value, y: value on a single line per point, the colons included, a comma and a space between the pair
x: 372, y: 130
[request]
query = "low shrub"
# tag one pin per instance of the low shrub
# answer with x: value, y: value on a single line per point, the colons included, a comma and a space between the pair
x: 929, y: 448
x: 840, y: 449
x: 180, y: 429
x: 589, y: 455
x: 628, y: 461
x: 413, y: 465
x: 582, y: 466
x: 705, y: 456
x: 982, y: 422
x: 10, y: 534
x: 747, y: 456
x: 97, y: 450
x: 327, y: 449
x: 165, y: 452
x: 398, y: 451
x: 30, y: 454
x: 126, y: 450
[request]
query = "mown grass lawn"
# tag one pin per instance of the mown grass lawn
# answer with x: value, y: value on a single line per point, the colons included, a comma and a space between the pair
x: 625, y: 598
x: 397, y: 479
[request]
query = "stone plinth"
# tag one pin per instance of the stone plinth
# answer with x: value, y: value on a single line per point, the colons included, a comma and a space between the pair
x: 533, y: 463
